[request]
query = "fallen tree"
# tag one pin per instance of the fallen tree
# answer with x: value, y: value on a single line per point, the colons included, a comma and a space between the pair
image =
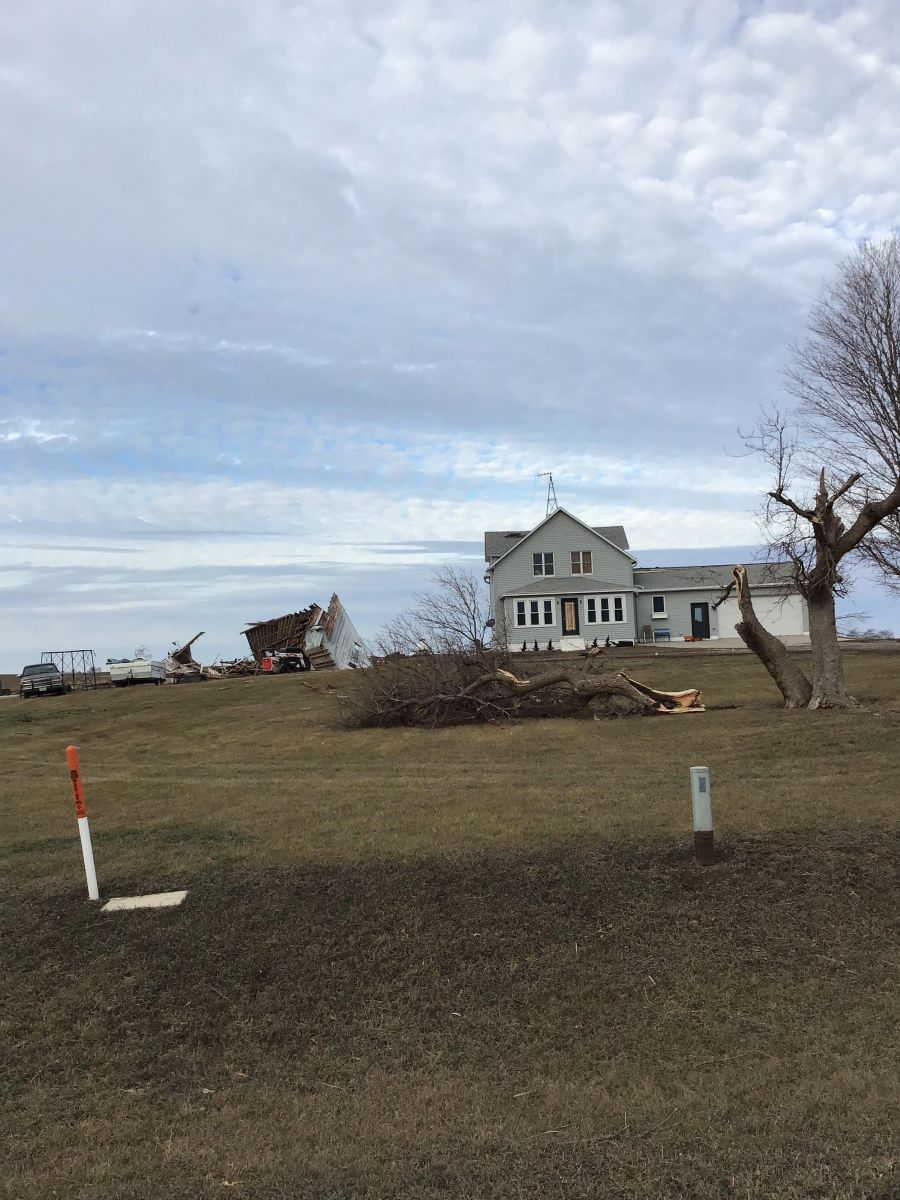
x: 440, y: 690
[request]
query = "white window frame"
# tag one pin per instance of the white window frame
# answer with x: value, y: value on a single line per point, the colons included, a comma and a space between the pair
x: 579, y: 570
x: 547, y: 566
x: 609, y: 599
x: 546, y: 607
x: 662, y: 616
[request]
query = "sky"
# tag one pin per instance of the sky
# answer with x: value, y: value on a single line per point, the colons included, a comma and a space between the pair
x: 298, y: 297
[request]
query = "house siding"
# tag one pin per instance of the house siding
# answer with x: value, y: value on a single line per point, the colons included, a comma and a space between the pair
x: 678, y: 612
x: 516, y: 634
x: 721, y: 620
x: 514, y: 576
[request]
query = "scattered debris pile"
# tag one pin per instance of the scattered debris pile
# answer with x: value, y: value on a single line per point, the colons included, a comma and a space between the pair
x: 235, y: 667
x: 182, y: 667
x: 314, y: 639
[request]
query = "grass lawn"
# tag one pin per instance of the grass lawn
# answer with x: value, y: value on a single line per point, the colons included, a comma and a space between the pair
x: 466, y: 963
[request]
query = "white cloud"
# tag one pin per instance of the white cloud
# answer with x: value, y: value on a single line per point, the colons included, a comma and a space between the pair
x: 24, y: 430
x: 397, y: 258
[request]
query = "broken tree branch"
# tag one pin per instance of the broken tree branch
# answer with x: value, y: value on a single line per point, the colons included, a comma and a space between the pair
x: 770, y: 650
x: 792, y: 505
x: 725, y: 595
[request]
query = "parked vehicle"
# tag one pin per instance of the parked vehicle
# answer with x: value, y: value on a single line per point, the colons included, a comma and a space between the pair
x: 136, y: 670
x: 282, y: 662
x: 41, y: 679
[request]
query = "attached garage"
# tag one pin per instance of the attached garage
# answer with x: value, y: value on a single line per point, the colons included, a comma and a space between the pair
x: 781, y: 615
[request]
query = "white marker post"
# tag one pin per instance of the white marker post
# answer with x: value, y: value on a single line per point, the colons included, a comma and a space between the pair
x: 701, y: 802
x: 84, y: 831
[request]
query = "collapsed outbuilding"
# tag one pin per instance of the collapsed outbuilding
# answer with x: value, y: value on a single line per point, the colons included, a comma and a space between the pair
x: 326, y: 638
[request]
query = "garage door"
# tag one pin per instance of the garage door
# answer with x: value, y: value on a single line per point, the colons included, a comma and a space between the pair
x: 778, y: 616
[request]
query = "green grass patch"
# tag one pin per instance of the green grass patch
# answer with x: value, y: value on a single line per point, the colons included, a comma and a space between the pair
x: 465, y: 963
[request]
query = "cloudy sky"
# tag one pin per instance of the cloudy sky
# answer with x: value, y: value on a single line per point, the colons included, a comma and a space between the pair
x: 298, y: 295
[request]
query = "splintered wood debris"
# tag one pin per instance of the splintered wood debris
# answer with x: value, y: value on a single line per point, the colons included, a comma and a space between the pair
x: 325, y: 638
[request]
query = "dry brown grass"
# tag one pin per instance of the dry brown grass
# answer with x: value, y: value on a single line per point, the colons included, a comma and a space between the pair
x: 468, y: 963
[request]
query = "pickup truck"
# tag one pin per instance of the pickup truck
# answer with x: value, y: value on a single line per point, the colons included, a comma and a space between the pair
x: 41, y: 679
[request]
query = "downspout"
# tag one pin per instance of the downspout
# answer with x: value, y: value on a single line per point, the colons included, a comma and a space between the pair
x: 634, y: 599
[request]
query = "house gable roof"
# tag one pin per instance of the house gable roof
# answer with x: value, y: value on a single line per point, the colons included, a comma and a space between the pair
x: 499, y: 543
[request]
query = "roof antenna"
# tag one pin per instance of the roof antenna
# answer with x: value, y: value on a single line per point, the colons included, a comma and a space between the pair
x: 552, y: 502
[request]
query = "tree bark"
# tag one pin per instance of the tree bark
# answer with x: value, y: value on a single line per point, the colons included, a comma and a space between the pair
x: 829, y: 688
x: 770, y: 650
x: 832, y: 543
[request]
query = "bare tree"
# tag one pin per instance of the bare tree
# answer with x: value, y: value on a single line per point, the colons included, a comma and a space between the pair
x: 836, y: 497
x: 449, y: 618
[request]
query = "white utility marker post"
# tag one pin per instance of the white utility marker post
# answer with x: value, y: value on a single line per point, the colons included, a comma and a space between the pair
x: 84, y: 831
x: 701, y: 802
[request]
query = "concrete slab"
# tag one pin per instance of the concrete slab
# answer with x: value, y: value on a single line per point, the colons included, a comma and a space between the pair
x: 156, y: 900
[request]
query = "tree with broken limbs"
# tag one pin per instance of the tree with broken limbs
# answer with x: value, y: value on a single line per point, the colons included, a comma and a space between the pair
x: 836, y: 497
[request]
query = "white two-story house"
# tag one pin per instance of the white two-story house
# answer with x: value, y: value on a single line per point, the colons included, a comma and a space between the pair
x: 568, y: 583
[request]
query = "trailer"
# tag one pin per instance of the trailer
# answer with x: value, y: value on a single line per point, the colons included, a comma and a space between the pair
x: 136, y: 670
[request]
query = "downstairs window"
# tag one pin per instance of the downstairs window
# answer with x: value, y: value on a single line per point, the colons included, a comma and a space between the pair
x: 535, y: 612
x: 605, y: 610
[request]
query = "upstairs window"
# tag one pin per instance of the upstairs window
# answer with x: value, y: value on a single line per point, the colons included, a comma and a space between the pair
x: 582, y: 562
x: 659, y: 606
x: 543, y: 564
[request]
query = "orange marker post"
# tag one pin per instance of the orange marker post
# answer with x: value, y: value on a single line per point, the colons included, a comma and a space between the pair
x: 84, y: 831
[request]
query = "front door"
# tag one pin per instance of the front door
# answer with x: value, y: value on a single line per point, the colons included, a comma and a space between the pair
x: 700, y: 620
x: 569, y: 615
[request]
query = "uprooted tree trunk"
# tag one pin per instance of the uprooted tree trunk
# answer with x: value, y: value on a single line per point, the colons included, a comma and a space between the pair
x: 443, y: 690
